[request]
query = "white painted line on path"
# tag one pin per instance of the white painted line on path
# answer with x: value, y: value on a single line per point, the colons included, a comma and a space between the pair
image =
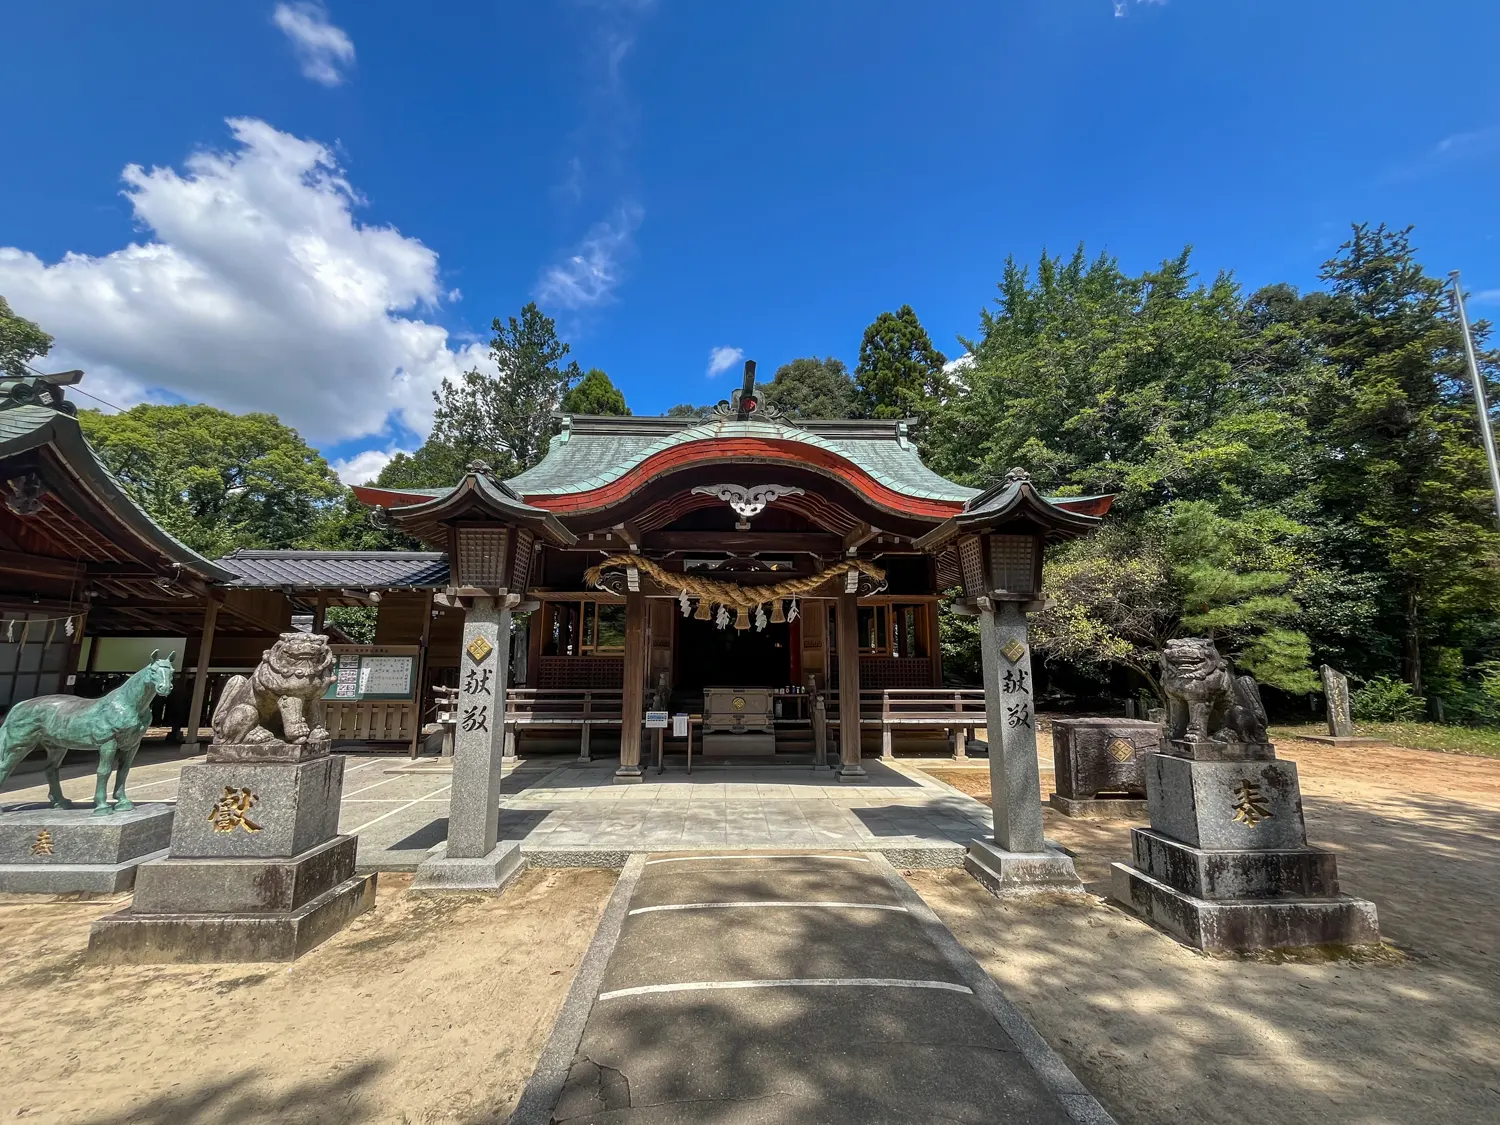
x: 728, y: 905
x: 393, y: 812
x: 374, y: 785
x: 806, y: 982
x: 721, y: 858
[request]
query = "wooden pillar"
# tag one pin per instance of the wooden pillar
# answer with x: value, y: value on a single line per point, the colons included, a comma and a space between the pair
x: 200, y: 675
x: 632, y: 703
x: 420, y: 671
x: 320, y: 612
x: 849, y: 732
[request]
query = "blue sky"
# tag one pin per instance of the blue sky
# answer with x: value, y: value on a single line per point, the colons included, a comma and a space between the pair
x: 317, y: 209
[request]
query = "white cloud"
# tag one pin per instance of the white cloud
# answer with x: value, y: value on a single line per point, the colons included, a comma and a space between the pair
x: 590, y: 274
x: 259, y: 291
x: 364, y: 467
x: 1122, y: 6
x: 322, y: 48
x: 959, y: 363
x: 721, y: 360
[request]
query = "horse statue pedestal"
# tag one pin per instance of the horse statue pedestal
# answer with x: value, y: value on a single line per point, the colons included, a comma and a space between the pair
x: 256, y: 870
x: 45, y: 850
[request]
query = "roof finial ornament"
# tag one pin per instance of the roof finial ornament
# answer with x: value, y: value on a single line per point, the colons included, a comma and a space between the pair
x: 745, y: 403
x: 1018, y: 476
x: 479, y: 468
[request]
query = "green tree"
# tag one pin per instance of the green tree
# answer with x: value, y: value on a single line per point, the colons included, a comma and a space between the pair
x: 511, y: 411
x: 688, y: 410
x: 1398, y: 458
x: 900, y: 374
x: 215, y: 480
x: 595, y: 394
x: 812, y: 388
x: 439, y: 464
x: 20, y: 341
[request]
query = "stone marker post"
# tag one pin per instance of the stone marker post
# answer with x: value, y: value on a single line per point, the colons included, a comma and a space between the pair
x: 474, y: 857
x: 1336, y: 692
x: 1018, y: 860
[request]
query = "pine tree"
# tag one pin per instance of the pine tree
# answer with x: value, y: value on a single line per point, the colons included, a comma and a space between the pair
x: 595, y: 394
x: 900, y: 373
x: 1399, y: 460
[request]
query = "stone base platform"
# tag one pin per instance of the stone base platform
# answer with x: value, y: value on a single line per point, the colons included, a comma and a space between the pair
x: 126, y: 937
x: 1242, y: 925
x: 438, y: 874
x: 1100, y: 808
x: 243, y: 886
x: 1341, y: 740
x: 1004, y: 873
x: 60, y: 851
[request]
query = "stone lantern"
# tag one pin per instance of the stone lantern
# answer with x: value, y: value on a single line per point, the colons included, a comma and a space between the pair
x: 999, y: 539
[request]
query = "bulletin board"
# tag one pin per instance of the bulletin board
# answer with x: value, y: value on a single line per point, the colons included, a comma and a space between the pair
x: 386, y: 673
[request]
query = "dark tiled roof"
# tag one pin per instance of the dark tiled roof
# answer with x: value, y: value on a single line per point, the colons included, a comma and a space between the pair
x: 361, y: 570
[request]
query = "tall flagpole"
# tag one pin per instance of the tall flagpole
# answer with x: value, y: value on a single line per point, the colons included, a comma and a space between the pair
x: 1479, y: 399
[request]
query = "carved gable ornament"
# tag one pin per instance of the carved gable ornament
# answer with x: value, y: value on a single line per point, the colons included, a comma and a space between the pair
x: 748, y: 501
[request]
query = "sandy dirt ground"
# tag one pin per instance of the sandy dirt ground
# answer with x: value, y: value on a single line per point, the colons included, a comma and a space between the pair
x: 424, y: 1010
x: 1165, y: 1035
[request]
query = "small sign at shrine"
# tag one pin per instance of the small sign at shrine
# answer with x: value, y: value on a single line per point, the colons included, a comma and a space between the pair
x: 656, y: 720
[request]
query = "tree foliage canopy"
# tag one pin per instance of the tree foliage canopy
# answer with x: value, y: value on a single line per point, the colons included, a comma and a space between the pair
x: 219, y: 481
x: 595, y: 394
x: 21, y: 341
x: 900, y: 374
x: 812, y: 388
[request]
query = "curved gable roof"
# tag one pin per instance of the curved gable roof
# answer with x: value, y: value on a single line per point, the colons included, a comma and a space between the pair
x: 593, y: 453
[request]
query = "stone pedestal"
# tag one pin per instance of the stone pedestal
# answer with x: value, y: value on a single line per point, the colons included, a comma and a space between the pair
x: 256, y: 870
x: 1225, y: 864
x: 1100, y: 766
x: 64, y: 851
x: 1004, y: 873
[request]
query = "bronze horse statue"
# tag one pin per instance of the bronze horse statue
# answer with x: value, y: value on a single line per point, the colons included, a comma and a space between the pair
x: 112, y: 725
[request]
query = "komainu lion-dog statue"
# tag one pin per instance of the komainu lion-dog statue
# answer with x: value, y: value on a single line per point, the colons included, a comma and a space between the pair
x: 1206, y: 701
x: 283, y: 698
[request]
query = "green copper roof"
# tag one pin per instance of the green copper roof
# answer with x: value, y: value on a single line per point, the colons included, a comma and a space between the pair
x: 24, y: 428
x: 591, y: 452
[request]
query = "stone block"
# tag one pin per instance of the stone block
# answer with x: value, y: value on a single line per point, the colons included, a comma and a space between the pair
x: 1106, y: 807
x: 1226, y: 806
x: 294, y: 806
x: 1208, y: 750
x: 126, y: 937
x: 273, y: 751
x: 242, y: 886
x: 1306, y: 872
x: 1093, y: 756
x: 41, y: 836
x: 1245, y: 924
x: 440, y: 873
x: 73, y: 878
x: 1004, y: 873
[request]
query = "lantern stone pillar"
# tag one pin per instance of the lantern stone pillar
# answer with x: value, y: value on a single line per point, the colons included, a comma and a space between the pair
x: 633, y: 695
x: 1018, y: 860
x: 850, y: 748
x: 474, y: 858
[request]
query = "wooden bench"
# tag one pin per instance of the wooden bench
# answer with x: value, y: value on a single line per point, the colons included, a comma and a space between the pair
x: 561, y: 709
x: 956, y: 710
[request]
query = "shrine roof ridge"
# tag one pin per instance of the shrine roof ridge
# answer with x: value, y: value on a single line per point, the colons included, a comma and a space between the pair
x: 592, y: 451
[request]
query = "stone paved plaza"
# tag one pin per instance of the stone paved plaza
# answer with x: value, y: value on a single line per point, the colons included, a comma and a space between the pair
x: 567, y: 815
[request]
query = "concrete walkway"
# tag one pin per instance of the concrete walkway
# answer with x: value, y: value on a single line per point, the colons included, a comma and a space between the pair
x: 807, y: 988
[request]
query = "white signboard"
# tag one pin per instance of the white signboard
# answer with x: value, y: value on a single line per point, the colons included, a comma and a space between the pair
x: 656, y: 720
x: 679, y: 726
x: 385, y: 675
